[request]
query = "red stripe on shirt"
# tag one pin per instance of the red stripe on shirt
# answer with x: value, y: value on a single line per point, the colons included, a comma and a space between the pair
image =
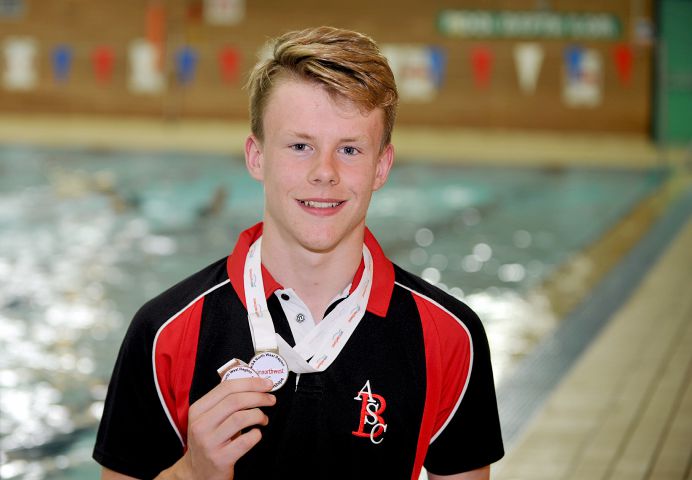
x: 448, y: 355
x: 176, y: 351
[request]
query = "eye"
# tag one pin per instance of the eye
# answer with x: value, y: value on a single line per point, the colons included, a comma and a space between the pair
x: 348, y: 150
x: 299, y: 147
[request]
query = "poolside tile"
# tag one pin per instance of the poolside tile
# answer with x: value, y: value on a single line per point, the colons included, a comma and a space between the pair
x: 634, y: 382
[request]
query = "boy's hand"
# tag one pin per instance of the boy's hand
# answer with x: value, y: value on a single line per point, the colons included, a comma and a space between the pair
x: 215, y: 438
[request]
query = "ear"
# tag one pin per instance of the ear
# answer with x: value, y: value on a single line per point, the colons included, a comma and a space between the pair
x: 384, y: 165
x: 254, y: 159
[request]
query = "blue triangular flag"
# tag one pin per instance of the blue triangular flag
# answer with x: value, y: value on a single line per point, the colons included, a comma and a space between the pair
x: 62, y: 62
x: 438, y: 64
x: 186, y: 64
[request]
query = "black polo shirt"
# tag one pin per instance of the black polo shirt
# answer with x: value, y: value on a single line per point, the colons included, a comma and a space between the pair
x: 412, y: 387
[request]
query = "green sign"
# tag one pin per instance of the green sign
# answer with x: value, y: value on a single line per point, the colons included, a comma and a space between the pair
x: 528, y: 24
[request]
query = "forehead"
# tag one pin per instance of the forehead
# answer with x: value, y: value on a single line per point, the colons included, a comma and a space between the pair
x: 294, y: 101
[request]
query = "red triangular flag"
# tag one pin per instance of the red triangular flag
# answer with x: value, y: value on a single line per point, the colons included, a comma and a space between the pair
x: 102, y: 60
x: 229, y: 63
x: 482, y: 64
x: 624, y: 59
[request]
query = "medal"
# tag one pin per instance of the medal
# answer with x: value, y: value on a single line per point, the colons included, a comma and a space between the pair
x: 272, y: 366
x: 235, y: 369
x: 263, y: 365
x: 240, y: 371
x: 234, y: 362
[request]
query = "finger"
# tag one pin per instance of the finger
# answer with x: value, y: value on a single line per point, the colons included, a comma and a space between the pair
x: 241, y: 445
x: 238, y: 402
x: 228, y: 387
x: 207, y: 423
x: 234, y: 425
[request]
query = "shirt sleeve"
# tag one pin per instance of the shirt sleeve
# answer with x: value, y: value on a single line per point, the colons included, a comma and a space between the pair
x: 135, y: 437
x: 470, y: 437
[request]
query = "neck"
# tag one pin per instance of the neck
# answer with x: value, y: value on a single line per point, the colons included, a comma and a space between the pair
x: 317, y: 277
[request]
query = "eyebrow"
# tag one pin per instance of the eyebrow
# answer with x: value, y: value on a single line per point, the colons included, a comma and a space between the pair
x: 307, y: 136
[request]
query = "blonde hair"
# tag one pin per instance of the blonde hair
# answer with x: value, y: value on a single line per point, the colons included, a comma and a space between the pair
x: 347, y: 64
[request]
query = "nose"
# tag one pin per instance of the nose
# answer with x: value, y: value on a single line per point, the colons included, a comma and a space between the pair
x: 324, y: 170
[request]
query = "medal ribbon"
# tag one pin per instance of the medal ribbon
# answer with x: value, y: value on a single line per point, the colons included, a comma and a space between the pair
x: 326, y: 340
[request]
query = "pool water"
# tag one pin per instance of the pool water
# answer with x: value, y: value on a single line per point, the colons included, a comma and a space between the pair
x: 87, y: 236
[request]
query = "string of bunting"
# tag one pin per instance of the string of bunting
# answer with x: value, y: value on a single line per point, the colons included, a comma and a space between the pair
x: 420, y: 69
x: 145, y: 65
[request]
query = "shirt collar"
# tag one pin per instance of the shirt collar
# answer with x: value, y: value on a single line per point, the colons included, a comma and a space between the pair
x: 383, y: 271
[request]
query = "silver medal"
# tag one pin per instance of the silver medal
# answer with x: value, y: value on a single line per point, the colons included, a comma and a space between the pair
x: 272, y: 366
x: 234, y: 362
x: 239, y: 371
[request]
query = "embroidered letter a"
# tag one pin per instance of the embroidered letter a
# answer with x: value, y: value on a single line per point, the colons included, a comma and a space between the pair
x: 372, y: 425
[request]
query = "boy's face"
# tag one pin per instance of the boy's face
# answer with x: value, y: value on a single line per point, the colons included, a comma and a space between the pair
x: 320, y: 161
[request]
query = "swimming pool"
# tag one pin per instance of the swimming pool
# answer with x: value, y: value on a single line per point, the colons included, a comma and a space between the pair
x: 86, y: 236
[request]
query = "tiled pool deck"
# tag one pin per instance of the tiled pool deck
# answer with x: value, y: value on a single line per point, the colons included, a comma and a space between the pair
x: 623, y: 409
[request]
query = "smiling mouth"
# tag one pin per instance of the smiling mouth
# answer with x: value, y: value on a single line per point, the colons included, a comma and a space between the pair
x: 315, y: 204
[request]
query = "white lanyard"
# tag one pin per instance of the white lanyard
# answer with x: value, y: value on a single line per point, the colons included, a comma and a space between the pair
x: 325, y: 341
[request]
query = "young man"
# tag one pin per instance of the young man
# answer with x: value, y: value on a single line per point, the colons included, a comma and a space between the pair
x: 387, y: 373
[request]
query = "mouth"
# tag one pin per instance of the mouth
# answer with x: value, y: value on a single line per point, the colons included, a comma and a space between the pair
x: 320, y: 204
x: 323, y: 207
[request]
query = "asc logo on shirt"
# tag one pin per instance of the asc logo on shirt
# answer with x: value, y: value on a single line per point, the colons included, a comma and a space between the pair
x: 372, y: 424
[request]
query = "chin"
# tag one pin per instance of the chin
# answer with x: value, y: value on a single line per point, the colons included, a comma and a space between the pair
x: 322, y: 241
x: 318, y: 245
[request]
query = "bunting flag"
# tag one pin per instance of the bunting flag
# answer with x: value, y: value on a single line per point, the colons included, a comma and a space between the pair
x: 186, y: 63
x: 582, y: 78
x: 623, y: 56
x: 528, y: 59
x: 482, y: 66
x: 62, y: 63
x: 418, y: 70
x: 102, y: 62
x: 229, y: 64
x: 145, y: 76
x: 156, y: 30
x: 573, y: 56
x: 438, y: 65
x: 20, y: 68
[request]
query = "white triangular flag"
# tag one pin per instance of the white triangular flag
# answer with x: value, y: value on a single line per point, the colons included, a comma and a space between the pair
x: 20, y: 71
x: 413, y: 70
x: 528, y: 58
x: 145, y: 76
